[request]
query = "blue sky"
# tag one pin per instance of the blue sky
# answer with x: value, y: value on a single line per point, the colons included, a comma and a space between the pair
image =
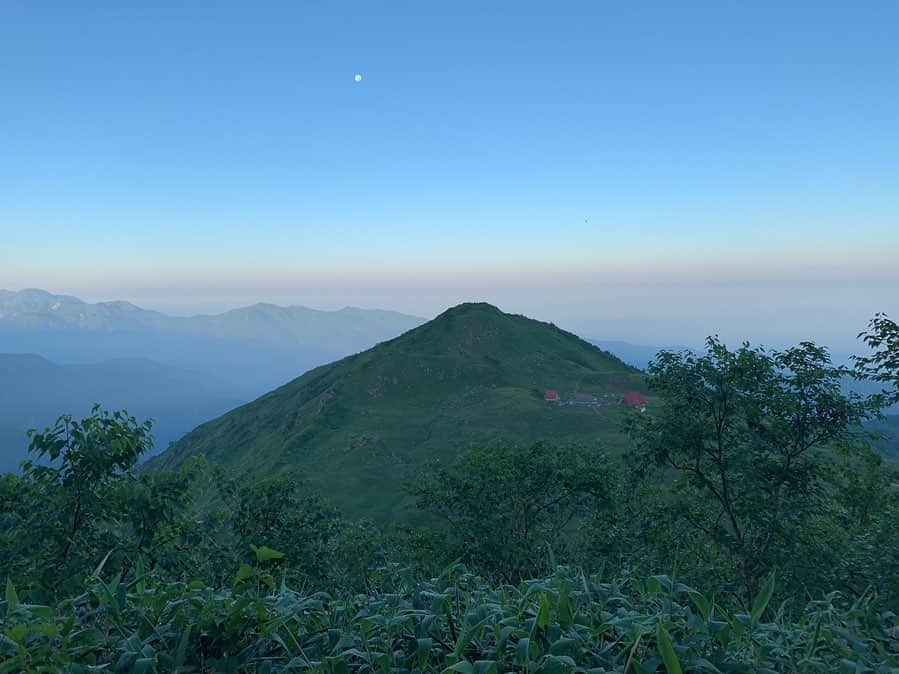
x: 191, y: 155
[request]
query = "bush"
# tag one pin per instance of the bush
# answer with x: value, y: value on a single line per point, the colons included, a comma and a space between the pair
x: 568, y: 622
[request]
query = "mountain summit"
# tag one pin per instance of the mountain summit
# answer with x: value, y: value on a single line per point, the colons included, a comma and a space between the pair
x: 359, y: 427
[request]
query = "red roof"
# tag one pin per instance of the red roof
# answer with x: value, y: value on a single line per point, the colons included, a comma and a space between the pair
x: 551, y: 395
x: 633, y: 399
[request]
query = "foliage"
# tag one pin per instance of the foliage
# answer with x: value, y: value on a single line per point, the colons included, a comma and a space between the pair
x: 882, y: 336
x: 886, y: 435
x: 284, y: 515
x: 568, y: 622
x: 747, y: 461
x: 748, y: 437
x: 508, y: 508
x: 80, y: 499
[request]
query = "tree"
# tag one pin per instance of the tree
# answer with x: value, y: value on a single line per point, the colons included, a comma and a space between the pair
x: 882, y: 336
x: 151, y: 516
x: 745, y: 434
x: 80, y: 502
x: 287, y: 516
x: 507, y: 507
x: 80, y: 463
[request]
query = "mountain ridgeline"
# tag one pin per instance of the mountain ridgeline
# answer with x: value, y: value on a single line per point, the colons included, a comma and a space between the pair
x: 252, y: 349
x: 357, y: 429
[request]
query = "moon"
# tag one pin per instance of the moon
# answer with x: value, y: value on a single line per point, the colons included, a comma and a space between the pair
x: 357, y: 77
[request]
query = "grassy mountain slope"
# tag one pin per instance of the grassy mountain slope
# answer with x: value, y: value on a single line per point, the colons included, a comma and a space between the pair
x: 358, y: 428
x: 888, y: 430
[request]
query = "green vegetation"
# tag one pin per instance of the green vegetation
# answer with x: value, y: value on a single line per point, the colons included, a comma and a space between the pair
x: 510, y: 511
x: 882, y: 367
x: 456, y: 623
x: 749, y: 528
x: 745, y: 433
x: 886, y: 431
x: 360, y: 428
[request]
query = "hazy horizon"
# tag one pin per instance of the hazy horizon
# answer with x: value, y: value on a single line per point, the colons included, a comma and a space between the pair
x: 647, y: 176
x: 633, y: 313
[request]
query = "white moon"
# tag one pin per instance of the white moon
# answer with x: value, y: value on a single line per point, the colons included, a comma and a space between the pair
x: 357, y: 77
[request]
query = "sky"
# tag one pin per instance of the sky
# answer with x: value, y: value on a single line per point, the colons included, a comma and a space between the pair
x: 647, y: 171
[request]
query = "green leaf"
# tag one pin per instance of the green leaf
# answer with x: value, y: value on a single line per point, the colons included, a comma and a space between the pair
x: 47, y: 629
x: 485, y: 667
x: 266, y: 554
x: 666, y: 650
x: 144, y: 665
x: 703, y: 665
x: 463, y: 667
x: 423, y: 648
x: 522, y: 650
x: 563, y: 609
x: 762, y: 598
x: 467, y: 635
x: 701, y: 603
x: 245, y: 571
x: 12, y: 599
x: 336, y: 665
x: 527, y: 651
x: 557, y: 664
x: 563, y: 646
x: 17, y: 633
x: 544, y: 615
x: 181, y: 653
x: 139, y: 574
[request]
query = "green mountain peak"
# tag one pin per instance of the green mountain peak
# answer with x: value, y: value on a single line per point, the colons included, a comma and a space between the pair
x: 359, y: 427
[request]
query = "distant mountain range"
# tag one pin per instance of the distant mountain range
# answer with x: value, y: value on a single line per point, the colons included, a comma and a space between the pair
x: 253, y: 349
x: 35, y: 391
x: 184, y: 371
x: 358, y: 428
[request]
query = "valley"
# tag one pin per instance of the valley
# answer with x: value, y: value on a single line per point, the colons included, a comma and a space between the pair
x: 35, y: 391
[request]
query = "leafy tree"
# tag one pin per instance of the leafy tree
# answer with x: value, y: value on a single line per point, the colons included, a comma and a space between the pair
x: 882, y: 336
x: 80, y: 502
x: 743, y: 433
x: 507, y: 507
x: 865, y: 515
x: 287, y: 516
x: 69, y: 490
x: 638, y: 529
x: 86, y: 457
x: 153, y: 517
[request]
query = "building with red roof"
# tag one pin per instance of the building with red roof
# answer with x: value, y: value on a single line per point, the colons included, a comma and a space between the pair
x: 551, y: 395
x: 633, y: 399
